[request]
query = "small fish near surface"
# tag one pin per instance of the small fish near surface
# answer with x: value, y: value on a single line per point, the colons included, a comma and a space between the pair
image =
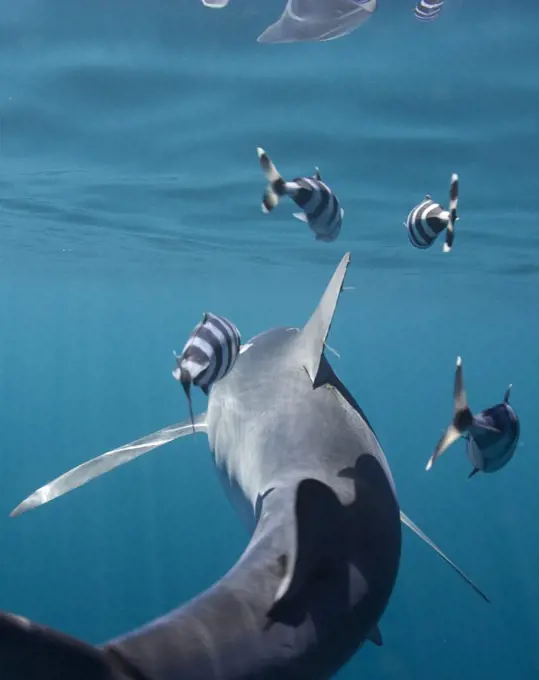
x: 209, y: 354
x: 492, y: 435
x: 428, y: 10
x: 427, y: 220
x: 322, y: 211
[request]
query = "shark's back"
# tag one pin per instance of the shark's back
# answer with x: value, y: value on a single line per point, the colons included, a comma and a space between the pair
x: 323, y: 560
x: 279, y: 429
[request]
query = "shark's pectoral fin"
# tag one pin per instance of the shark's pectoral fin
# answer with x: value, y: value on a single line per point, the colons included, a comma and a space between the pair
x: 312, y: 549
x: 108, y: 461
x: 375, y: 636
x: 408, y: 522
x: 313, y: 336
x: 29, y: 651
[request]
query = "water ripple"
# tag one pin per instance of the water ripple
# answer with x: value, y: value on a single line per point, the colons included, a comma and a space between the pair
x: 121, y: 139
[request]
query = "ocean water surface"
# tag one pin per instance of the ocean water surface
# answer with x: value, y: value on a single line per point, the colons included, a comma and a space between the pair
x: 130, y: 204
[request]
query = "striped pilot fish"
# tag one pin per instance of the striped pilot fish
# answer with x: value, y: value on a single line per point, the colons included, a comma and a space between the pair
x: 428, y: 10
x: 209, y: 354
x: 321, y: 210
x: 491, y: 436
x: 428, y: 219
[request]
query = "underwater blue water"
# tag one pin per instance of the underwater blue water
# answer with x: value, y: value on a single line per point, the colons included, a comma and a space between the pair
x: 130, y: 203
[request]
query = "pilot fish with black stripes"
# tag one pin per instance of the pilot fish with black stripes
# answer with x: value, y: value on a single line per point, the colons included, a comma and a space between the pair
x: 208, y: 355
x: 321, y: 209
x: 492, y: 435
x: 428, y: 220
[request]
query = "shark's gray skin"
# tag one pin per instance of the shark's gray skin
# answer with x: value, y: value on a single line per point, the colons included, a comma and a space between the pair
x: 302, y: 464
x: 491, y: 436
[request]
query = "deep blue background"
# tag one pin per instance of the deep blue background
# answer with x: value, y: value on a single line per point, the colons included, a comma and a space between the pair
x: 129, y: 204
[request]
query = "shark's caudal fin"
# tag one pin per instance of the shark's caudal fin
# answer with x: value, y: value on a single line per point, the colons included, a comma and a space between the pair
x: 29, y: 651
x: 408, y: 522
x: 108, y: 461
x: 313, y: 336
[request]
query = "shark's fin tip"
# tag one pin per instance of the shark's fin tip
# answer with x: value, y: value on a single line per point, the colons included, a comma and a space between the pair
x: 314, y: 333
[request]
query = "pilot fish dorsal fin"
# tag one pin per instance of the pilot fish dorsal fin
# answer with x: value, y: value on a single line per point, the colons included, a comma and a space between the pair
x: 313, y: 336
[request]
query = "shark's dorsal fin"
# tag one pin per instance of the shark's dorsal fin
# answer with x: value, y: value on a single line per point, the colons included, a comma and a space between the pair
x: 313, y: 336
x: 106, y: 462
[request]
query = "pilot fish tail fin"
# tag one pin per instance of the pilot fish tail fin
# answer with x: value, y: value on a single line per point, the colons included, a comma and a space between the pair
x: 453, y: 203
x: 29, y: 651
x: 312, y: 338
x: 462, y: 417
x: 276, y: 184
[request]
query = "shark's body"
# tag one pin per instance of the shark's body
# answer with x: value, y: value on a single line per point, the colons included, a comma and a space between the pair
x: 302, y: 464
x: 328, y: 534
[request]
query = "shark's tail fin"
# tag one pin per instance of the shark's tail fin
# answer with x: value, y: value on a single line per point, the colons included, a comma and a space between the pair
x: 29, y: 651
x: 462, y: 417
x: 276, y: 184
x: 453, y: 203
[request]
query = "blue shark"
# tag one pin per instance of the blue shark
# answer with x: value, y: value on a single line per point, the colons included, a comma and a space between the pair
x: 301, y: 463
x: 491, y: 435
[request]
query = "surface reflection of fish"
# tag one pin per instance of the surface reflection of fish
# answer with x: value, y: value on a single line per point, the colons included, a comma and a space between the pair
x: 492, y: 435
x: 428, y: 10
x: 318, y: 20
x: 215, y: 4
x: 320, y: 205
